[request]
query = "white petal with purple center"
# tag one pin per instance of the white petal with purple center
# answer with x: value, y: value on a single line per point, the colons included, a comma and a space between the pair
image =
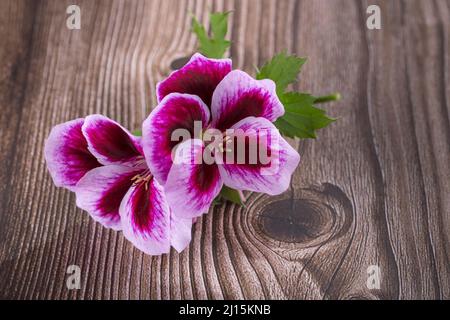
x: 199, y: 77
x: 145, y: 218
x: 176, y: 113
x: 270, y: 173
x: 101, y: 191
x: 239, y: 96
x: 67, y: 156
x: 110, y: 142
x: 192, y: 184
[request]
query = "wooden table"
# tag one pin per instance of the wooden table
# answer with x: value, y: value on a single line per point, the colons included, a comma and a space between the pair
x: 373, y: 189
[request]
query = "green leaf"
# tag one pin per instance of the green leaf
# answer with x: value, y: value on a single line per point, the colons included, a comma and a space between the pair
x: 282, y: 69
x: 214, y: 45
x: 231, y: 195
x: 285, y: 128
x: 219, y: 24
x: 217, y: 201
x: 137, y: 132
x: 301, y: 118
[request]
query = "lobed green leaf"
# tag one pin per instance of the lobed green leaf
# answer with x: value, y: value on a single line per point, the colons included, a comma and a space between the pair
x: 214, y: 45
x: 282, y: 69
x: 301, y: 119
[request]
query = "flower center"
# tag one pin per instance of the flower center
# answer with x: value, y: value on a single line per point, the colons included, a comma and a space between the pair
x: 224, y: 147
x: 219, y: 141
x: 143, y: 177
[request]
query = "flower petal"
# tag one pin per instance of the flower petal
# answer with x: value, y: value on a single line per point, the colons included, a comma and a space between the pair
x: 110, y: 142
x: 101, y: 191
x: 145, y: 218
x: 239, y: 96
x: 192, y: 184
x: 271, y: 177
x: 176, y: 111
x: 180, y: 232
x: 199, y: 76
x: 67, y: 155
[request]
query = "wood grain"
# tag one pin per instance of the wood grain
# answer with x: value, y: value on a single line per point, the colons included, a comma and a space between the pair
x: 372, y: 190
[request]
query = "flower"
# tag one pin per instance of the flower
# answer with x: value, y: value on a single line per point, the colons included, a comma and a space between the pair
x: 104, y: 165
x: 208, y: 91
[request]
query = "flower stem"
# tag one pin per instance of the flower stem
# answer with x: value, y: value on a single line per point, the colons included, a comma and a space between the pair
x: 331, y: 97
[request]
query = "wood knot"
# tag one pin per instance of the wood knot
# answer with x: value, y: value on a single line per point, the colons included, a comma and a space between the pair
x: 295, y: 220
x: 313, y: 217
x: 179, y: 62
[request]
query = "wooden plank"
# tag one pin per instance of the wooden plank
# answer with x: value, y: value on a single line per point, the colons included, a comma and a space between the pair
x: 372, y: 190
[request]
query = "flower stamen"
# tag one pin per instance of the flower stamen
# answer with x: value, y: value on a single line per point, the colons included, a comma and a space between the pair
x: 223, y: 147
x: 143, y: 177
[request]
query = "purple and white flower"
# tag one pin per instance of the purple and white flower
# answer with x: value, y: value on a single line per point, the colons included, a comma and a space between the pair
x: 208, y: 91
x: 133, y: 184
x: 104, y: 165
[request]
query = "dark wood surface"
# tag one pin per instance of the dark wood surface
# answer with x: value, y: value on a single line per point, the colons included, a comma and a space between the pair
x: 373, y: 189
